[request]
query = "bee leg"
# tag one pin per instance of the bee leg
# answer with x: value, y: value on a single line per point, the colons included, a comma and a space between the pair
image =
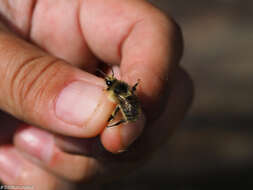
x: 117, y: 123
x: 136, y: 84
x: 114, y: 113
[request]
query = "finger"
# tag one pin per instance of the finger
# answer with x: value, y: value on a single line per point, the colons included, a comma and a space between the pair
x: 33, y: 20
x: 178, y: 101
x: 40, y: 148
x: 156, y: 133
x: 49, y: 93
x: 16, y: 170
x: 118, y: 139
x: 146, y: 43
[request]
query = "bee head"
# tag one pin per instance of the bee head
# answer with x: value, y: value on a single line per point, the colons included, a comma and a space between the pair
x: 109, y: 80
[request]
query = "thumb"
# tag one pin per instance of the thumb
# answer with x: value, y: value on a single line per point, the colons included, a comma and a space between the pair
x: 45, y: 91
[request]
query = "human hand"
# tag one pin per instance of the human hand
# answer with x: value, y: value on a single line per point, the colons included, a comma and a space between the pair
x: 56, y: 90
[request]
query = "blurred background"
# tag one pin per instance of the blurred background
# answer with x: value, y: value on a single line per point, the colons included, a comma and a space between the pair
x: 213, y: 149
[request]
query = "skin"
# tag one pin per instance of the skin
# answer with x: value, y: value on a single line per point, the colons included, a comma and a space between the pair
x: 53, y: 133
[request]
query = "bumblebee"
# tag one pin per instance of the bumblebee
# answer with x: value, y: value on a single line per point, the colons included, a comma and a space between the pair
x: 125, y: 98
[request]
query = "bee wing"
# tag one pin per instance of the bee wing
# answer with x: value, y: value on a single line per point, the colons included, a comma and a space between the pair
x: 130, y: 106
x: 121, y: 98
x: 124, y: 103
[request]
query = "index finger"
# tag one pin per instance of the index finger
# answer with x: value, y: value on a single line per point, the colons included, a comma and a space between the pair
x: 143, y: 40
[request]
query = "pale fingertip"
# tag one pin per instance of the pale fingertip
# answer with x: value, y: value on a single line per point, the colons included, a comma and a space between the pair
x: 111, y: 140
x: 15, y: 170
x: 38, y: 147
x: 131, y: 131
x: 117, y: 139
x: 35, y: 142
x: 10, y: 164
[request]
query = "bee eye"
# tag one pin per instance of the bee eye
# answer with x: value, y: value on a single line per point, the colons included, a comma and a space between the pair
x: 108, y: 83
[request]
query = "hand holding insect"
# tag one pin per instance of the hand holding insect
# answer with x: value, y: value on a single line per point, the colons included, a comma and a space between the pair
x: 53, y: 88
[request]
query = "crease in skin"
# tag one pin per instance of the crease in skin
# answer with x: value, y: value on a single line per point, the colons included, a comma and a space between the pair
x: 78, y: 17
x: 95, y: 111
x: 33, y: 8
x: 125, y: 37
x: 90, y: 67
x: 103, y: 102
x: 36, y: 78
x: 18, y: 16
x: 19, y: 70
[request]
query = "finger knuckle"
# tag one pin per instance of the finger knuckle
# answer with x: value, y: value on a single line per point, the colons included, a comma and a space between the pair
x: 30, y: 79
x: 172, y: 30
x: 170, y: 25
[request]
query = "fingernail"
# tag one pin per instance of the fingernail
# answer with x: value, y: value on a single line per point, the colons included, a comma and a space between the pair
x: 36, y: 142
x: 131, y: 131
x: 122, y: 150
x: 10, y: 164
x: 77, y: 102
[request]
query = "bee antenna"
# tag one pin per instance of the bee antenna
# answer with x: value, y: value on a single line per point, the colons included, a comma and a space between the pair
x: 101, y: 72
x: 112, y: 72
